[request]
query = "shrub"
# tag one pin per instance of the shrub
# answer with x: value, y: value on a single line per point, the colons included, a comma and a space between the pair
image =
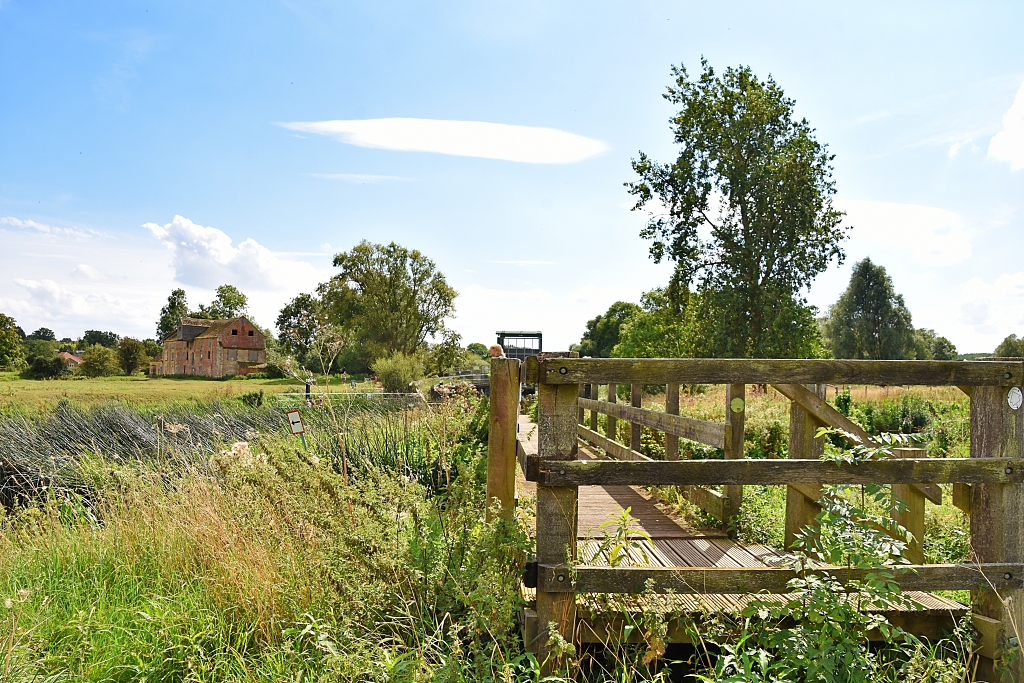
x: 397, y: 371
x: 253, y: 399
x: 99, y: 361
x: 47, y: 368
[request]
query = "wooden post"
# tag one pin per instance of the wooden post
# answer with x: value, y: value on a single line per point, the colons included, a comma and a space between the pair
x: 997, y: 535
x: 582, y: 393
x: 672, y: 408
x: 611, y: 426
x: 636, y: 395
x: 912, y: 518
x: 800, y: 509
x: 735, y: 411
x: 501, y: 434
x: 595, y: 393
x: 557, y: 514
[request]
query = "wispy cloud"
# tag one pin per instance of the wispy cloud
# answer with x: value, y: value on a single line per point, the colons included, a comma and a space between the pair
x: 525, y: 263
x: 360, y: 178
x: 525, y: 144
x: 927, y: 234
x: 45, y: 229
x: 1008, y: 144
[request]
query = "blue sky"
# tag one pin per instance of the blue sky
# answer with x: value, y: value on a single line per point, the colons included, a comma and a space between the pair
x: 150, y: 145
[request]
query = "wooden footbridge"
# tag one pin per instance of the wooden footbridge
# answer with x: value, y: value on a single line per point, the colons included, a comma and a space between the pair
x: 583, y: 476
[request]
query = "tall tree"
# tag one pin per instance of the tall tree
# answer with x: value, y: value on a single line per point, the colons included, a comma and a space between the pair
x: 131, y: 354
x: 298, y: 323
x: 174, y: 310
x: 107, y: 339
x: 1011, y: 347
x: 870, y: 320
x: 43, y: 334
x: 393, y: 298
x: 758, y: 182
x: 229, y: 303
x: 11, y: 354
x: 602, y: 333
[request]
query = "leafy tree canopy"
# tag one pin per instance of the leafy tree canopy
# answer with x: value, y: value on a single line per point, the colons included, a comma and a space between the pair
x: 602, y: 333
x: 174, y: 310
x: 107, y: 339
x: 479, y: 349
x: 928, y: 345
x: 99, y: 361
x: 11, y: 354
x: 1011, y: 347
x: 756, y: 182
x: 653, y: 330
x: 43, y: 334
x: 298, y: 323
x: 229, y: 303
x: 393, y: 298
x: 870, y: 320
x: 132, y: 356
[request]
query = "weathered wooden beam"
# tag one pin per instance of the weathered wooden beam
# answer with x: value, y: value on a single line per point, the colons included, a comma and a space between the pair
x: 912, y: 516
x: 501, y: 435
x: 524, y: 449
x: 611, y: 425
x: 820, y: 409
x: 636, y: 395
x: 774, y: 371
x: 710, y: 501
x: 962, y: 497
x: 735, y: 413
x: 748, y: 580
x: 672, y: 408
x: 612, y: 448
x: 724, y: 472
x: 710, y: 433
x: 802, y: 507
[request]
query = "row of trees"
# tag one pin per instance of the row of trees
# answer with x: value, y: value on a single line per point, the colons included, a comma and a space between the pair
x: 745, y: 214
x: 229, y: 302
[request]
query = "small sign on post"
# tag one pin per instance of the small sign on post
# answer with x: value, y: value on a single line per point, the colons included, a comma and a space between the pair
x: 295, y: 422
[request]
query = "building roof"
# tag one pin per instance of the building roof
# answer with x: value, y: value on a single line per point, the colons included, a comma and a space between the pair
x: 70, y: 358
x: 205, y: 328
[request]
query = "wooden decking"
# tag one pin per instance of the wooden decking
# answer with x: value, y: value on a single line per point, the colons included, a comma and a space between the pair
x: 674, y: 543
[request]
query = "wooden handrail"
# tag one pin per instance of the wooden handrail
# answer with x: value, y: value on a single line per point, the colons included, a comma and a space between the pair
x: 773, y: 371
x: 612, y: 448
x: 703, y: 431
x: 748, y: 580
x: 711, y: 472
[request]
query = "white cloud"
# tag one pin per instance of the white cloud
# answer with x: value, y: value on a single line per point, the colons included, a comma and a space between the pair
x: 56, y: 302
x: 205, y: 257
x: 1008, y: 144
x: 44, y: 229
x: 459, y: 138
x: 995, y: 309
x: 955, y: 148
x: 927, y: 234
x: 359, y: 178
x: 87, y: 272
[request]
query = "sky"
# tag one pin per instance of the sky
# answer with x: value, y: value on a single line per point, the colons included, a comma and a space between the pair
x: 151, y: 145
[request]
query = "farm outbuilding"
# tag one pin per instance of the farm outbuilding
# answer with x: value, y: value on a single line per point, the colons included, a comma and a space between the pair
x: 212, y: 348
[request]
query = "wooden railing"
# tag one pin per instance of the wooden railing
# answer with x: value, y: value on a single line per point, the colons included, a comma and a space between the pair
x: 994, y: 472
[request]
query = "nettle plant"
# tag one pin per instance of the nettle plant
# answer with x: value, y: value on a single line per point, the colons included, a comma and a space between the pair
x: 819, y: 630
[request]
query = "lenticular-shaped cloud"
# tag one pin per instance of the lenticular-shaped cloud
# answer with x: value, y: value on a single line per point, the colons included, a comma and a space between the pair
x: 526, y: 144
x: 1008, y: 144
x: 205, y: 257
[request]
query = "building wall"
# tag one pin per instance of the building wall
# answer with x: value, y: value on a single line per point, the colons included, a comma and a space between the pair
x: 223, y: 355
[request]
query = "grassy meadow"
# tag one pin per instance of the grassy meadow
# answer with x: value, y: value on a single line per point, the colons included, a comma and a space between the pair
x: 167, y: 530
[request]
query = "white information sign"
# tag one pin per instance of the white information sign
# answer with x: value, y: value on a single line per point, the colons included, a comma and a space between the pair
x: 295, y: 422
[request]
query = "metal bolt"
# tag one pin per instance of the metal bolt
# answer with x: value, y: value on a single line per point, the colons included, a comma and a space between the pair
x: 1007, y: 576
x: 561, y: 578
x: 1013, y: 641
x: 562, y: 371
x: 1006, y: 375
x: 1009, y: 470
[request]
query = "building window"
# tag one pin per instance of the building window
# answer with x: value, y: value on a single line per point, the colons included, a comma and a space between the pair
x: 234, y: 332
x: 208, y: 355
x: 253, y: 355
x: 232, y: 354
x: 251, y: 333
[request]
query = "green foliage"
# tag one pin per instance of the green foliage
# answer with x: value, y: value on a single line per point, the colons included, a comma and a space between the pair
x: 99, y: 361
x: 870, y: 320
x: 602, y: 333
x: 392, y: 298
x: 656, y: 329
x: 229, y: 303
x: 1011, y: 347
x: 298, y: 323
x: 398, y: 371
x: 152, y: 347
x: 11, y: 354
x: 47, y: 367
x: 43, y: 334
x: 479, y: 349
x: 621, y: 541
x: 173, y: 311
x: 929, y: 346
x: 757, y: 178
x: 444, y: 355
x: 93, y: 337
x: 253, y: 399
x: 132, y: 356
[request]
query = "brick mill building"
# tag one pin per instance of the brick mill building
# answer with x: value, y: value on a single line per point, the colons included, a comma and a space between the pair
x: 212, y: 348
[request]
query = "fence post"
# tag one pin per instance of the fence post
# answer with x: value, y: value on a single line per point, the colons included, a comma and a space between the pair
x: 636, y: 395
x: 997, y: 535
x: 735, y: 411
x: 672, y: 408
x: 556, y: 511
x: 595, y: 393
x: 611, y: 426
x: 503, y: 421
x: 800, y: 508
x: 912, y: 518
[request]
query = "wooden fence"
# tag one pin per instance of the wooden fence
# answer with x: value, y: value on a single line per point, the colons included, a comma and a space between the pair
x: 988, y: 485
